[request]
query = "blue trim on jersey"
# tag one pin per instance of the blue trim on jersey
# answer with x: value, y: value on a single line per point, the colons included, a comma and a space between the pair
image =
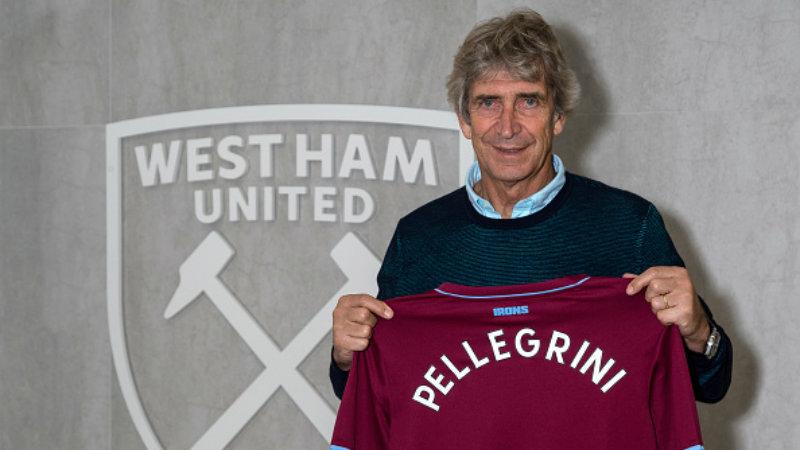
x: 522, y: 294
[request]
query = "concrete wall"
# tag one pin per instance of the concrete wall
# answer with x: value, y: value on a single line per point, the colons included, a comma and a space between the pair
x: 689, y: 104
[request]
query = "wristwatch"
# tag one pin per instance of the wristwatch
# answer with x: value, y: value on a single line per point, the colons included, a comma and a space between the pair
x: 712, y: 344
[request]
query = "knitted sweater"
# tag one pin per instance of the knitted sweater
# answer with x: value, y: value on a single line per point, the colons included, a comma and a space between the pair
x: 588, y: 228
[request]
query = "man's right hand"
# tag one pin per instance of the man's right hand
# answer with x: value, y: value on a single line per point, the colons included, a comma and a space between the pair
x: 353, y: 319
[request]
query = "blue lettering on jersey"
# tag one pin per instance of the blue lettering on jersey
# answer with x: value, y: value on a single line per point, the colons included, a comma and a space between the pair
x: 510, y: 310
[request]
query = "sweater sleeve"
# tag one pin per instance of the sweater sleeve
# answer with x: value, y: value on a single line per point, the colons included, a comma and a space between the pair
x: 711, y: 378
x: 387, y: 279
x: 391, y: 268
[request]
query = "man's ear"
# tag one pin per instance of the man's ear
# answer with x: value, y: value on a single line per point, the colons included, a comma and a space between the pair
x: 559, y: 122
x: 466, y: 128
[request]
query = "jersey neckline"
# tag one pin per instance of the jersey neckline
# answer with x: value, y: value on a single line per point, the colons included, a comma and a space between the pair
x: 516, y: 290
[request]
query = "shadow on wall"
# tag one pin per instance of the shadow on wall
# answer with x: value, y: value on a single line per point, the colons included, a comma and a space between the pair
x: 588, y: 119
x: 718, y: 420
x: 590, y: 116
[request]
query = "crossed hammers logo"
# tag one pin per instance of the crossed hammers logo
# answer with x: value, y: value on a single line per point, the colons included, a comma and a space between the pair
x: 199, y: 274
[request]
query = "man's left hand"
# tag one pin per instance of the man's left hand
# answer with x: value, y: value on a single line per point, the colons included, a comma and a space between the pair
x: 673, y: 300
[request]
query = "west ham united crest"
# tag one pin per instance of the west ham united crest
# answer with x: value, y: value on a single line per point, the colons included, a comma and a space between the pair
x: 232, y: 232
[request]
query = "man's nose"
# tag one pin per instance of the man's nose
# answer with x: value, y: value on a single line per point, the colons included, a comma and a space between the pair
x: 508, y: 122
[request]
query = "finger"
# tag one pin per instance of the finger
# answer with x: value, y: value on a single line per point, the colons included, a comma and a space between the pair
x: 659, y: 287
x: 644, y: 279
x: 669, y: 316
x: 629, y: 275
x: 660, y: 302
x: 355, y: 344
x: 358, y: 331
x: 361, y: 315
x: 346, y: 344
x: 376, y: 306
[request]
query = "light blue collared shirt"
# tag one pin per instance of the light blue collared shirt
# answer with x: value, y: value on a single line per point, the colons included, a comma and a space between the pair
x: 524, y: 207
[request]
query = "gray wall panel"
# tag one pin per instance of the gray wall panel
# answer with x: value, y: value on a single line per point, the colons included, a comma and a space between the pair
x: 173, y: 56
x: 677, y: 55
x: 53, y: 333
x: 53, y: 62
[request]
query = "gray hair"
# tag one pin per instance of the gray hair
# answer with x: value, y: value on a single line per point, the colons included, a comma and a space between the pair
x: 521, y: 43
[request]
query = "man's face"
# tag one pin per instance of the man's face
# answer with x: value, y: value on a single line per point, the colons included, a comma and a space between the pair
x: 512, y: 127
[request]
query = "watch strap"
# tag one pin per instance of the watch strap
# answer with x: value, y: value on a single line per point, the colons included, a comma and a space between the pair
x: 712, y: 344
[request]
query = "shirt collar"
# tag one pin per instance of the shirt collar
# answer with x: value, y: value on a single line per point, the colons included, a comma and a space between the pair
x: 524, y: 207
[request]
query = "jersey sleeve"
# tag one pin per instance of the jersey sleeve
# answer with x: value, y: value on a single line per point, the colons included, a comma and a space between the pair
x: 672, y: 406
x: 362, y: 420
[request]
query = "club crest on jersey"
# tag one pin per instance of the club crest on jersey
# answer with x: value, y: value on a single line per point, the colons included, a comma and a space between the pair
x: 510, y: 311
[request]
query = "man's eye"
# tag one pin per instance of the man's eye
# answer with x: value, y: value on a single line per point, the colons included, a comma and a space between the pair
x: 530, y: 102
x: 486, y: 103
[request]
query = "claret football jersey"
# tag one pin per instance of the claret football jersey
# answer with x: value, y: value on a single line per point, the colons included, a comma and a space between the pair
x: 571, y: 363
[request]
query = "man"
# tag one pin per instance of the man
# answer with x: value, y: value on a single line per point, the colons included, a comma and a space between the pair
x: 521, y: 217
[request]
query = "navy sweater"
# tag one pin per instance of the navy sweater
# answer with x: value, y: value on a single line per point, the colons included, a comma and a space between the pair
x: 588, y: 228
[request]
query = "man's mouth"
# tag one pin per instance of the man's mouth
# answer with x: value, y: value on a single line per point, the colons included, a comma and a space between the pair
x: 509, y: 150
